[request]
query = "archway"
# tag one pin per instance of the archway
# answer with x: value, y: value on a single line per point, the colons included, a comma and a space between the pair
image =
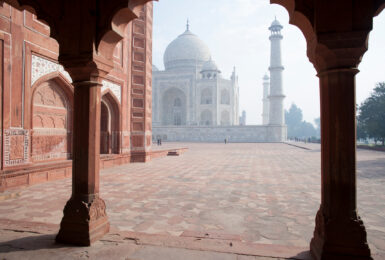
x: 174, y: 107
x: 225, y: 118
x: 225, y: 97
x: 206, y: 96
x: 206, y: 118
x: 51, y: 122
x: 109, y: 125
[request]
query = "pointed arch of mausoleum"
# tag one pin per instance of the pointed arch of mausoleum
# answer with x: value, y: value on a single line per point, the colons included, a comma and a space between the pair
x: 225, y: 118
x: 174, y: 107
x: 206, y: 96
x: 225, y: 97
x: 206, y: 118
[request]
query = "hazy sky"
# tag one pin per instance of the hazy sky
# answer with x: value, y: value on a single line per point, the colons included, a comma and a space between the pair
x: 236, y: 31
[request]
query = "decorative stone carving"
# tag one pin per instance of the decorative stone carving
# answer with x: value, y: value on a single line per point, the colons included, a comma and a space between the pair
x: 97, y: 209
x: 330, y: 240
x: 83, y: 223
x: 50, y: 123
x: 115, y: 89
x: 41, y: 67
x: 16, y: 143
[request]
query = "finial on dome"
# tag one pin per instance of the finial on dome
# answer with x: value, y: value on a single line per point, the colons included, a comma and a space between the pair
x: 188, y: 25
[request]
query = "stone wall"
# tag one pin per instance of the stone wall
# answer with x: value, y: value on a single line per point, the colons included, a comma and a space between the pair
x: 239, y: 134
x: 36, y: 98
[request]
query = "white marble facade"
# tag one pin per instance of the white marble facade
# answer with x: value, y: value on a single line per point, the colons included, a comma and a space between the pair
x: 191, y: 90
x: 192, y: 101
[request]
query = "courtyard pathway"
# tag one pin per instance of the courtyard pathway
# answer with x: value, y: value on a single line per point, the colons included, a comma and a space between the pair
x: 264, y: 193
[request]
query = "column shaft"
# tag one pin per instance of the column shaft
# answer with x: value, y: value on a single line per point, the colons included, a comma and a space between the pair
x: 339, y: 231
x: 85, y: 219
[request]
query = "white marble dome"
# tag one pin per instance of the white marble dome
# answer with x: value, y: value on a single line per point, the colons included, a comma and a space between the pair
x: 186, y: 50
x: 275, y: 25
x: 210, y: 65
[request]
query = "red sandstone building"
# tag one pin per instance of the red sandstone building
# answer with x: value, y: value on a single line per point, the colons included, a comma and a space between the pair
x: 37, y: 100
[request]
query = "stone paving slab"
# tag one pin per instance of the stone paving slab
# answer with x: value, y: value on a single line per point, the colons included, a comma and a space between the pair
x: 262, y: 193
x: 32, y: 240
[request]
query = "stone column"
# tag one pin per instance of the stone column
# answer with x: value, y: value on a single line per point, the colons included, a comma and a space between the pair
x: 339, y: 231
x: 85, y: 219
x: 337, y: 38
x: 265, y: 100
x: 276, y: 114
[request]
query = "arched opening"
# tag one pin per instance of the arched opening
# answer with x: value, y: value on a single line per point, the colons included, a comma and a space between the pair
x: 174, y: 107
x: 109, y: 125
x: 206, y: 118
x: 51, y: 120
x: 225, y: 97
x: 206, y: 96
x: 225, y: 118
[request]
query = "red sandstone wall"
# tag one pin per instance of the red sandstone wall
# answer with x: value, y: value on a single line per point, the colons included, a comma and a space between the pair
x: 141, y: 89
x: 37, y: 130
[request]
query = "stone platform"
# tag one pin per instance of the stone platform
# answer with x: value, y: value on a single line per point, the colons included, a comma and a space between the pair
x: 32, y: 174
x: 251, y: 193
x: 217, y: 134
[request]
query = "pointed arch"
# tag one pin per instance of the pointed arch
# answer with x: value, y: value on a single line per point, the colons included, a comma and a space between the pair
x: 110, y: 121
x: 51, y: 118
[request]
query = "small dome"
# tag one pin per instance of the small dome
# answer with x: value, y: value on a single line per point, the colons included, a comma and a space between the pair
x: 210, y: 65
x: 266, y: 77
x: 275, y: 25
x: 187, y: 49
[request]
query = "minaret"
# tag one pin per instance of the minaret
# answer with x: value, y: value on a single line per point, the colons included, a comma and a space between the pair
x: 276, y: 114
x: 265, y: 100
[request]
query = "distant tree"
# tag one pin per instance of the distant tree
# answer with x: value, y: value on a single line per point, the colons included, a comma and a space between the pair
x: 317, y: 122
x: 361, y: 133
x: 371, y: 118
x: 293, y: 119
x: 296, y: 127
x: 307, y: 129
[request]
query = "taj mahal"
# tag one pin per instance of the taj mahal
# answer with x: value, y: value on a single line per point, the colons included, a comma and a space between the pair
x: 193, y: 101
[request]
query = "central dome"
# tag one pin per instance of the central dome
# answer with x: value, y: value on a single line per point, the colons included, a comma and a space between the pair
x: 186, y: 50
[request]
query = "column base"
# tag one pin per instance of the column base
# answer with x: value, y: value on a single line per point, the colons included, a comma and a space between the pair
x: 83, y: 223
x: 140, y: 156
x: 339, y: 239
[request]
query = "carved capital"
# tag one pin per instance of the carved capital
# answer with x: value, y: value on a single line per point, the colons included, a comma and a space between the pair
x: 338, y: 50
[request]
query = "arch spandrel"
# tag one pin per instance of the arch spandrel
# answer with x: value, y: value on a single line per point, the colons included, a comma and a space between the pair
x: 378, y: 7
x: 330, y: 35
x: 83, y: 36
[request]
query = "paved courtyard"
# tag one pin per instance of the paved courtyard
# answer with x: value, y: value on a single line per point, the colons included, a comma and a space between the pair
x: 264, y: 193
